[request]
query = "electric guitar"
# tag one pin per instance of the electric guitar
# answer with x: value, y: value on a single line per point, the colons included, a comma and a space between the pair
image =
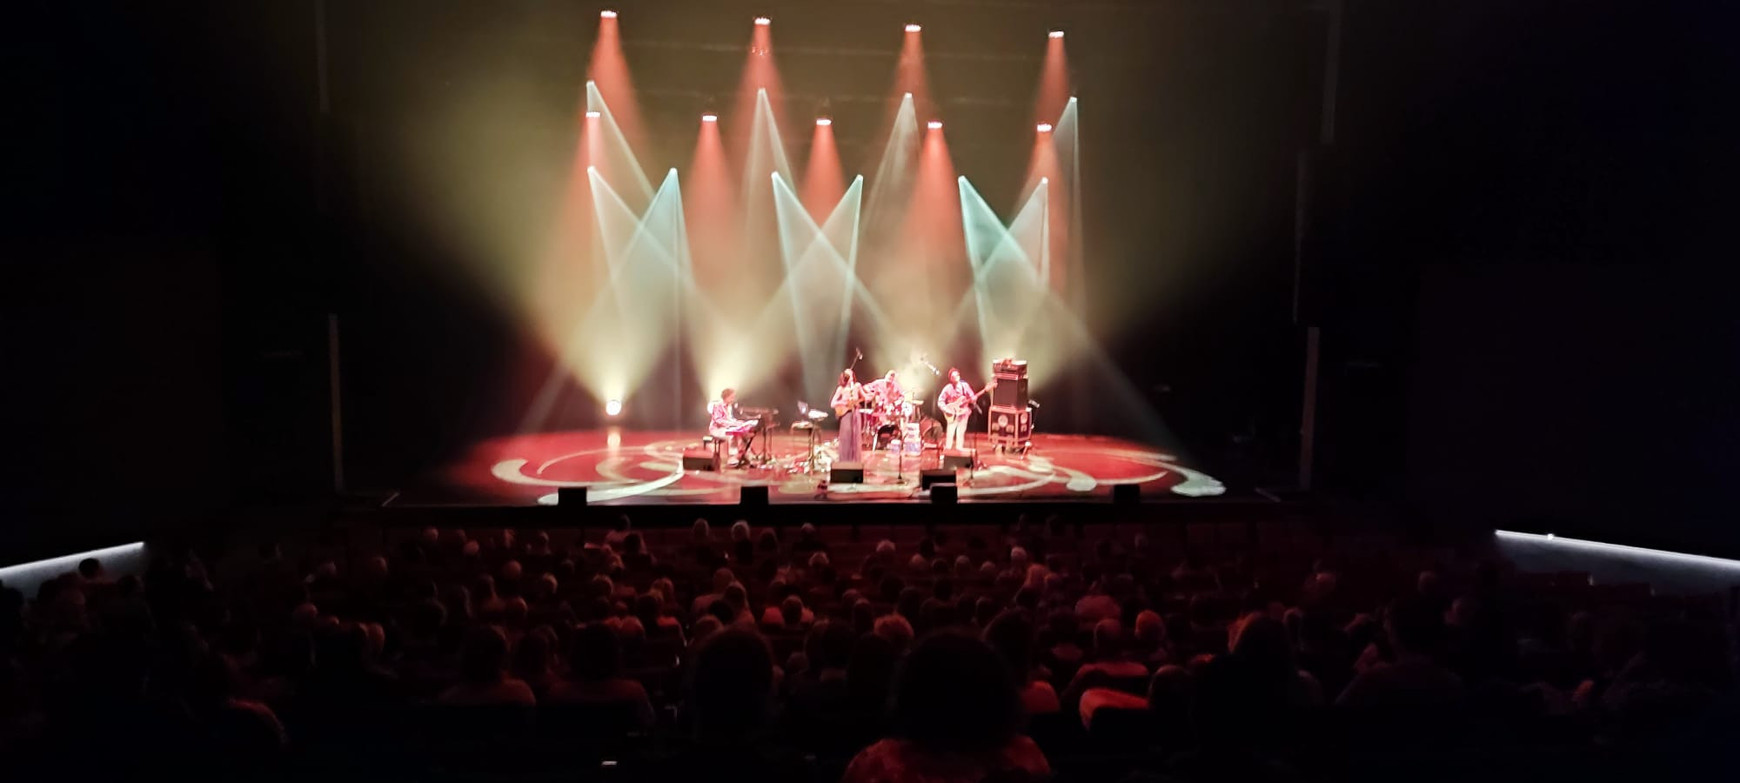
x: 965, y: 407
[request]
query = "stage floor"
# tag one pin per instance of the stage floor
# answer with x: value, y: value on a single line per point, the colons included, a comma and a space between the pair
x: 638, y: 468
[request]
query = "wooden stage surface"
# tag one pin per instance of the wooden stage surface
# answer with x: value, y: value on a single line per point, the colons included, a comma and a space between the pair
x: 631, y: 467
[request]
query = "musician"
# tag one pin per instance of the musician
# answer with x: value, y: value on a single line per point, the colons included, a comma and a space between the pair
x: 956, y: 403
x: 847, y: 397
x: 723, y: 423
x: 885, y: 390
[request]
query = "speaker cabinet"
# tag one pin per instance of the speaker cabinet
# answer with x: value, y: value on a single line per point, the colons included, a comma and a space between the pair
x: 936, y: 476
x: 1011, y: 392
x: 700, y: 459
x: 571, y: 497
x: 954, y: 461
x: 846, y: 473
x: 945, y: 494
x: 1126, y: 494
x: 752, y: 495
x: 1010, y: 428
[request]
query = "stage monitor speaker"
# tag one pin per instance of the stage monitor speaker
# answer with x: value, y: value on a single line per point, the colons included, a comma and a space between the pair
x: 936, y: 476
x: 946, y: 494
x: 1126, y: 494
x: 752, y: 495
x: 957, y: 461
x: 570, y: 497
x: 1011, y: 392
x: 846, y: 473
x: 700, y: 459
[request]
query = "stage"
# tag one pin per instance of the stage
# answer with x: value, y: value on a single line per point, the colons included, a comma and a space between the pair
x: 630, y: 467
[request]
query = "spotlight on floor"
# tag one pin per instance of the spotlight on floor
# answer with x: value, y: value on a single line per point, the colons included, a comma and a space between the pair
x: 613, y: 407
x: 606, y: 14
x: 1055, y: 34
x: 762, y: 21
x: 823, y: 122
x: 913, y: 28
x: 1044, y: 127
x: 592, y: 115
x: 709, y: 117
x: 934, y: 125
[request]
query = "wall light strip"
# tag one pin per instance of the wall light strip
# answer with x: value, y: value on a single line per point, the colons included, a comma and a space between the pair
x: 1619, y: 549
x: 54, y: 566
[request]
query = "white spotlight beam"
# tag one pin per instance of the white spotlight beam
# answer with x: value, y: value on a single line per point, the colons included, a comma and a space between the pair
x: 619, y: 146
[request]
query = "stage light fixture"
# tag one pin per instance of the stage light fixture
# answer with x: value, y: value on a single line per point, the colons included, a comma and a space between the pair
x: 613, y: 407
x: 606, y: 14
x: 592, y: 115
x: 762, y: 21
x: 913, y: 28
x: 1044, y: 127
x: 709, y: 117
x: 934, y: 125
x: 823, y: 122
x: 1056, y: 34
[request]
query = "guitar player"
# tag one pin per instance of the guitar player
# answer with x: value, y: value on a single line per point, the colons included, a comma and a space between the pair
x: 956, y: 401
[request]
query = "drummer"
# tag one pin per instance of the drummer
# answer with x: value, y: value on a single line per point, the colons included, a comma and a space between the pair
x: 886, y: 391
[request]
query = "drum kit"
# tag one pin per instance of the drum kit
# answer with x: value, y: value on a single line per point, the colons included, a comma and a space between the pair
x: 901, y: 424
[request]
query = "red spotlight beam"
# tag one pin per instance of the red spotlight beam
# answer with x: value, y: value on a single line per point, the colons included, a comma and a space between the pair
x: 1054, y: 89
x: 608, y: 71
x: 824, y: 183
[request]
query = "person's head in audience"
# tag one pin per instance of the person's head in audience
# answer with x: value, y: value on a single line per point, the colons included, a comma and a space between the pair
x: 829, y: 647
x: 511, y: 571
x: 515, y: 612
x: 1011, y: 635
x: 704, y: 627
x: 954, y: 696
x: 90, y: 569
x: 739, y: 531
x: 767, y: 542
x: 535, y: 655
x: 722, y: 578
x: 863, y: 616
x: 1109, y: 641
x: 818, y: 561
x: 483, y: 656
x: 736, y: 596
x: 596, y: 653
x: 895, y: 629
x: 730, y: 685
x: 791, y: 611
x: 722, y: 611
x: 701, y: 532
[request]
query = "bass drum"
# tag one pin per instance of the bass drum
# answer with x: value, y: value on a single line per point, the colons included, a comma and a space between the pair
x: 885, y: 434
x: 931, y: 432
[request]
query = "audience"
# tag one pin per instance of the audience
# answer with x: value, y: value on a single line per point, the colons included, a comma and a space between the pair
x: 916, y: 660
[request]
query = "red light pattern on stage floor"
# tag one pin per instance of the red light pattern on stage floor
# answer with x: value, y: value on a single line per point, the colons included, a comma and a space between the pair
x: 632, y: 467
